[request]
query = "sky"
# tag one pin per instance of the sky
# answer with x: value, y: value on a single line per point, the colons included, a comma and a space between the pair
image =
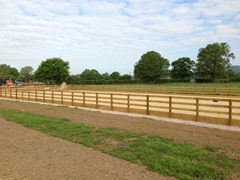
x: 112, y: 35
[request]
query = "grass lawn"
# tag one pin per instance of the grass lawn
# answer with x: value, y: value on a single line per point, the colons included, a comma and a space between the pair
x: 181, y: 84
x: 224, y: 89
x: 158, y: 154
x: 208, y: 85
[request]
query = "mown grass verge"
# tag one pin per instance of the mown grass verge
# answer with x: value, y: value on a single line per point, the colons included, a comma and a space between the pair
x: 158, y: 154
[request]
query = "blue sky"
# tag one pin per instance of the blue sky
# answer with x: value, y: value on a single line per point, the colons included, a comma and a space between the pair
x: 111, y: 35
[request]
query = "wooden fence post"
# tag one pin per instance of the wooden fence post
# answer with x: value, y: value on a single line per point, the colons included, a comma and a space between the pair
x: 147, y: 104
x: 72, y: 99
x: 36, y: 95
x: 44, y: 100
x: 61, y: 97
x: 52, y: 97
x: 0, y: 91
x: 97, y: 100
x: 128, y: 103
x: 11, y: 93
x: 29, y: 95
x: 84, y: 99
x: 197, y: 109
x: 22, y: 93
x: 112, y: 102
x: 170, y: 107
x: 230, y: 113
x: 16, y: 93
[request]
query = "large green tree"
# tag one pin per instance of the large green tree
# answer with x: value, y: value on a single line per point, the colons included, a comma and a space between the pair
x: 74, y: 79
x: 90, y: 75
x: 151, y: 67
x: 214, y: 61
x: 115, y: 75
x: 7, y: 72
x: 182, y: 68
x: 126, y: 77
x: 53, y: 70
x: 26, y: 73
x: 105, y: 76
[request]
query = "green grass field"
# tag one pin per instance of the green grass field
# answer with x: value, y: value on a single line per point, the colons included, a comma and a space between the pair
x: 158, y: 154
x: 222, y: 89
x: 208, y: 85
x: 181, y: 84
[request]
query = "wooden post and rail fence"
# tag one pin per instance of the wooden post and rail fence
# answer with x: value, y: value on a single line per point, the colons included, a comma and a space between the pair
x: 214, y: 110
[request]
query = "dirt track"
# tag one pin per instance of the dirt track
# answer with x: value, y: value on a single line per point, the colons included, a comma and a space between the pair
x: 26, y: 154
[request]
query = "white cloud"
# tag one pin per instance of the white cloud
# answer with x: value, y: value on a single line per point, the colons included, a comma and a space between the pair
x: 112, y: 35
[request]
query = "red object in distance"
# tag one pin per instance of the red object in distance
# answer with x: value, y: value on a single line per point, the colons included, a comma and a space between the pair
x: 9, y: 83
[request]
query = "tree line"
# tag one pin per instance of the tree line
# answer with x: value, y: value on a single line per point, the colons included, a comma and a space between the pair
x: 213, y: 64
